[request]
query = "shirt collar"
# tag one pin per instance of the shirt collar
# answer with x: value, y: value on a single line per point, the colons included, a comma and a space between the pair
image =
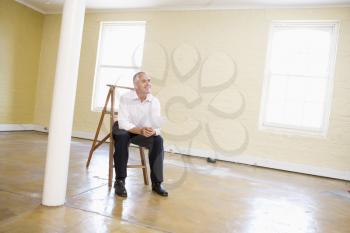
x: 135, y: 97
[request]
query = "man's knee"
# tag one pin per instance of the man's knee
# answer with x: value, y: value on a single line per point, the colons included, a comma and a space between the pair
x: 122, y: 136
x: 158, y: 140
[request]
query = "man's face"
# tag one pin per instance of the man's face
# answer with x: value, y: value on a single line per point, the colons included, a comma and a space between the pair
x: 143, y: 84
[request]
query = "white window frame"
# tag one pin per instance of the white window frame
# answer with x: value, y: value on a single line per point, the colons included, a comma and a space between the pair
x: 287, y: 129
x: 98, y: 65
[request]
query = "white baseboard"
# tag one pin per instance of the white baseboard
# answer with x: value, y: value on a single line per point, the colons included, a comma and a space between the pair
x: 40, y: 128
x: 44, y: 129
x: 83, y: 135
x: 261, y: 162
x: 19, y: 127
x: 242, y: 159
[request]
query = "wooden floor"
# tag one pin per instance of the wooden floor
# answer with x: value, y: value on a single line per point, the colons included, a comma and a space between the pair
x: 221, y: 197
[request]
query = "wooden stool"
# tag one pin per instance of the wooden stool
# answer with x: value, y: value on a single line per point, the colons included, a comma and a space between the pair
x: 96, y: 143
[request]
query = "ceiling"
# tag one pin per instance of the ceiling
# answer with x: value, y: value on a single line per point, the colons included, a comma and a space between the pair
x: 55, y: 6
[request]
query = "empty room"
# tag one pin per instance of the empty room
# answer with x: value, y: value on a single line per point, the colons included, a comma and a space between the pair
x: 175, y: 116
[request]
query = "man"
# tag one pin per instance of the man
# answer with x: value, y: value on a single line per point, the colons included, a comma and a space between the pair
x: 138, y: 119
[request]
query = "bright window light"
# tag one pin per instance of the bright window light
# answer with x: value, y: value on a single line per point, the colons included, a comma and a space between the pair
x: 119, y: 57
x: 299, y: 70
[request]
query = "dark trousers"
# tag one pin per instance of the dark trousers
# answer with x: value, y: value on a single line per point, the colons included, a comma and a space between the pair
x: 154, y: 144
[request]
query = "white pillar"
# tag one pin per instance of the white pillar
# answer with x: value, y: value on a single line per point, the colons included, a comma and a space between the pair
x: 62, y: 110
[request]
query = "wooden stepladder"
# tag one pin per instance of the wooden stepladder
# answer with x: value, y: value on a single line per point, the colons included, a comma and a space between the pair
x: 96, y: 143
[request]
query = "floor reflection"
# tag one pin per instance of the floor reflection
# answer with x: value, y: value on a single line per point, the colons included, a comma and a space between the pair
x: 203, y: 197
x: 280, y: 215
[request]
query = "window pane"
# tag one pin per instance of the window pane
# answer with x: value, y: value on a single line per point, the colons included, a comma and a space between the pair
x: 122, y: 44
x: 277, y: 87
x: 296, y: 89
x: 274, y: 112
x: 301, y: 55
x: 302, y: 51
x: 293, y: 113
x: 119, y: 58
x: 275, y: 99
x: 316, y: 90
x: 313, y: 115
x: 296, y: 101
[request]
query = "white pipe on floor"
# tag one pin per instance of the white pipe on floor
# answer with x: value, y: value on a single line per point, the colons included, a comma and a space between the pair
x: 62, y: 110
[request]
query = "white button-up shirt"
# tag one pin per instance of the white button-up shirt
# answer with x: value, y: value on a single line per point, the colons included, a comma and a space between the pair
x: 134, y: 113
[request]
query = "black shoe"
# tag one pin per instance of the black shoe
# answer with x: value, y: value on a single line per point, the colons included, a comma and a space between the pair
x: 159, y: 190
x: 119, y: 186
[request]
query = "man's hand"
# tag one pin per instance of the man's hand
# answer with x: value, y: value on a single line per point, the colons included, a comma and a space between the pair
x: 148, y: 132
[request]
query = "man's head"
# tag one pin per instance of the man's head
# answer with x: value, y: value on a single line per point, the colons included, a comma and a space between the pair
x: 142, y: 83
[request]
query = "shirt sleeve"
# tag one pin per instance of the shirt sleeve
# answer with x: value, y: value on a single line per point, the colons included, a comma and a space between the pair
x: 157, y: 116
x: 124, y: 115
x: 157, y: 131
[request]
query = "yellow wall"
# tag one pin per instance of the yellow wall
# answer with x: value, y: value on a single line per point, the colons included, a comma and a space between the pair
x: 221, y: 38
x: 47, y: 69
x: 20, y: 41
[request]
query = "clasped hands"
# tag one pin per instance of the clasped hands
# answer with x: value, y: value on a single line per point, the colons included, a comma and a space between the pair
x: 147, y: 131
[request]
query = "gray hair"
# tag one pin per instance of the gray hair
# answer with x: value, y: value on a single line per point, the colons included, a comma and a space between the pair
x: 137, y: 75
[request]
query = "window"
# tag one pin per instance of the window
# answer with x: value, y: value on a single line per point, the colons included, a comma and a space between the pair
x: 298, y: 82
x: 119, y: 57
